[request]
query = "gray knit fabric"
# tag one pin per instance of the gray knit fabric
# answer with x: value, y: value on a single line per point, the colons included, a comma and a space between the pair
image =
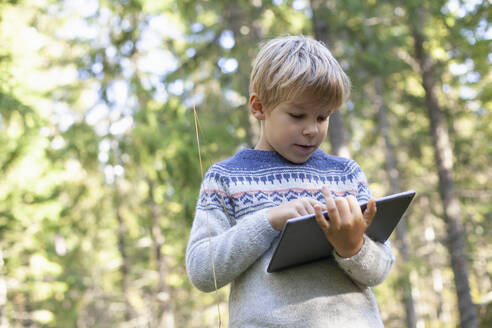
x: 234, y: 197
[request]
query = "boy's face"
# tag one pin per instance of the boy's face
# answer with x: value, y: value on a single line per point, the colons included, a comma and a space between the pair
x: 293, y: 129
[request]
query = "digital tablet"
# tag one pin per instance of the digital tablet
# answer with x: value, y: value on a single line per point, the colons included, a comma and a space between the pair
x: 303, y: 241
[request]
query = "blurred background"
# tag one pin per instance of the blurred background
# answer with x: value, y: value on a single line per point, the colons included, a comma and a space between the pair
x: 100, y: 170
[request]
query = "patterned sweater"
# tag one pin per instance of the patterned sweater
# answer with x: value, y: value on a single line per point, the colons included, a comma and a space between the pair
x: 234, y: 196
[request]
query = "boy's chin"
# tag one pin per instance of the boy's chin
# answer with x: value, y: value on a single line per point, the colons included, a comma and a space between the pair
x: 296, y: 159
x: 299, y: 155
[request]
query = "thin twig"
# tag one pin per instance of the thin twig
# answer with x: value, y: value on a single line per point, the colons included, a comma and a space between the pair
x: 206, y: 211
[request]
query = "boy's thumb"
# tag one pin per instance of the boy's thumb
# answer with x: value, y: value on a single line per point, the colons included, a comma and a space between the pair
x: 370, y: 211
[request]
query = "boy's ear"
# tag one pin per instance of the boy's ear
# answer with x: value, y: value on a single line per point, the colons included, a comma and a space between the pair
x: 256, y: 107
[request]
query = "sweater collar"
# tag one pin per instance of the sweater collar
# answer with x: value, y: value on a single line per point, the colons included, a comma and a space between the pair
x: 272, y: 157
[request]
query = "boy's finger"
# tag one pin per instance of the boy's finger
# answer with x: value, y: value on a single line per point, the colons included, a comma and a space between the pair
x: 353, y: 205
x: 320, y: 218
x: 314, y: 202
x: 343, y: 208
x: 301, y: 210
x: 309, y: 208
x: 370, y: 211
x: 332, y: 210
x: 298, y: 207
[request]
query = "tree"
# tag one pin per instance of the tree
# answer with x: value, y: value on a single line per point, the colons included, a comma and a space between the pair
x: 394, y: 181
x: 338, y: 134
x: 444, y: 162
x: 99, y: 163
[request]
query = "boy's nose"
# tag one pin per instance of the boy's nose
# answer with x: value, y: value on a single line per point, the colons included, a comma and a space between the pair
x: 310, y: 129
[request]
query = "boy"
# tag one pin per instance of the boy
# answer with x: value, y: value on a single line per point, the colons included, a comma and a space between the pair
x: 245, y: 200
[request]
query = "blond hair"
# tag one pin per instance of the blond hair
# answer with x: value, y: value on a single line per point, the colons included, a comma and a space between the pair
x: 293, y: 66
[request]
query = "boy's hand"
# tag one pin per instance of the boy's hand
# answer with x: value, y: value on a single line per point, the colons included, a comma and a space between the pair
x: 347, y: 224
x: 297, y: 207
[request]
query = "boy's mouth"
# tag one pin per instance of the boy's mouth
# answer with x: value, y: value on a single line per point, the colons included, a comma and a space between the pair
x: 305, y: 147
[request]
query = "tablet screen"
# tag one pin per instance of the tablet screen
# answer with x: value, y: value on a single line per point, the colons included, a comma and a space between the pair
x: 303, y: 241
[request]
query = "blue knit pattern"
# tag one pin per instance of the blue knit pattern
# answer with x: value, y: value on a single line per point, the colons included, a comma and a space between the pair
x: 255, y: 179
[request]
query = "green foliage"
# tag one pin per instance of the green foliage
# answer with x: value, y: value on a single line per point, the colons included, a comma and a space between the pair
x: 100, y: 164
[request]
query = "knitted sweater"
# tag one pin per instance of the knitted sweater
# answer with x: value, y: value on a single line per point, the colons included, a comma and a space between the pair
x: 234, y: 196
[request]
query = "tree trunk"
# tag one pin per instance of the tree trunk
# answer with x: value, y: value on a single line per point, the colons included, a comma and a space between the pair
x: 235, y: 17
x: 337, y: 133
x: 444, y: 162
x: 394, y: 180
x: 163, y: 297
x: 124, y: 268
x: 3, y: 295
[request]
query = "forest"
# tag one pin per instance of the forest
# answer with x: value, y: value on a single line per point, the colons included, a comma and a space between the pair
x: 100, y: 167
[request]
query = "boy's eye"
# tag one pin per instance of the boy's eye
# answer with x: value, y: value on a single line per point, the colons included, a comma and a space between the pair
x: 322, y: 118
x: 296, y: 115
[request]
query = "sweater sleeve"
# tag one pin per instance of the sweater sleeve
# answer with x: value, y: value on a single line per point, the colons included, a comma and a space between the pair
x: 233, y: 247
x: 372, y: 264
